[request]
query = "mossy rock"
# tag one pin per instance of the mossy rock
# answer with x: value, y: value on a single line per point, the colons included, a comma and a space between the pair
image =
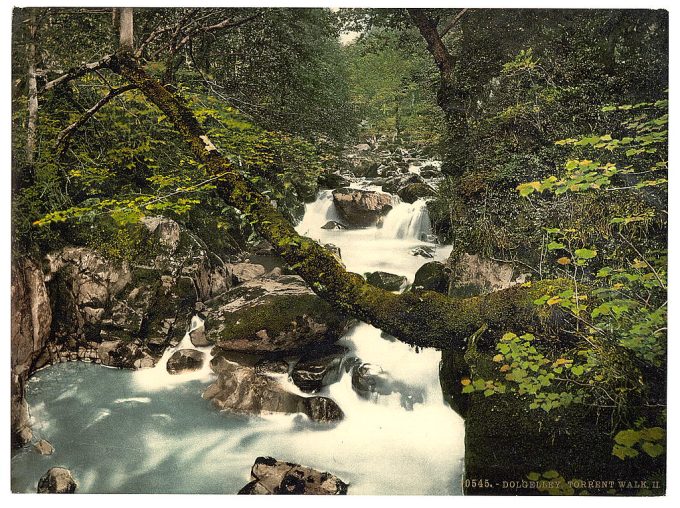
x: 415, y: 191
x: 272, y: 315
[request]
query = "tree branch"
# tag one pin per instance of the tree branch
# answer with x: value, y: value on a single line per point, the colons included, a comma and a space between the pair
x: 428, y: 29
x: 78, y: 72
x: 452, y: 23
x: 65, y: 134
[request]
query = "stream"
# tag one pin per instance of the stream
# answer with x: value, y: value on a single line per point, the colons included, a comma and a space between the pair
x: 147, y: 431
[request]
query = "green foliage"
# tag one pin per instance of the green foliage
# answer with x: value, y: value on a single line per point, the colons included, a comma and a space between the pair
x: 629, y: 442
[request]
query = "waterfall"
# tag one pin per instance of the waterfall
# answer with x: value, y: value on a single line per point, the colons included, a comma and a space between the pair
x: 407, y: 221
x: 318, y: 213
x: 158, y: 377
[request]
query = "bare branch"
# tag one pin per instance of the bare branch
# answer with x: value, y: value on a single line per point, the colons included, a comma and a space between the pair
x: 64, y: 135
x: 78, y: 72
x: 453, y: 22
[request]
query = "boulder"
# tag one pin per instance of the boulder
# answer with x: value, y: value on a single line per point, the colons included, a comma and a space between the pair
x: 243, y: 388
x: 386, y: 280
x: 370, y: 381
x: 424, y: 251
x: 266, y: 366
x: 361, y: 208
x: 335, y: 250
x: 472, y: 275
x: 271, y: 315
x: 332, y: 181
x: 394, y: 185
x: 198, y: 337
x: 362, y: 147
x: 243, y: 272
x: 271, y: 476
x: 125, y: 355
x: 414, y: 191
x: 185, y: 360
x: 331, y: 224
x: 57, y: 480
x: 433, y: 276
x: 43, y: 447
x: 316, y: 370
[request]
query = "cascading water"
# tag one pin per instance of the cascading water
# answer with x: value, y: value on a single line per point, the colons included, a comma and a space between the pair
x: 407, y: 221
x: 151, y: 432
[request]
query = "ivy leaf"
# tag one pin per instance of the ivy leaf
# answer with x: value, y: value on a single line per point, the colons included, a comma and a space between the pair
x: 652, y: 449
x: 623, y: 451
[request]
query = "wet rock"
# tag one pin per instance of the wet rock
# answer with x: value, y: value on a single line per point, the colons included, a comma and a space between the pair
x: 198, y: 337
x: 57, y: 480
x: 185, y: 360
x: 370, y: 381
x: 424, y: 251
x: 271, y: 476
x: 43, y: 447
x: 433, y: 276
x: 386, y: 280
x: 395, y: 184
x: 243, y: 388
x: 314, y: 371
x: 332, y: 181
x: 361, y: 208
x: 331, y: 224
x: 271, y: 315
x: 243, y: 272
x: 266, y: 366
x: 125, y: 355
x: 414, y: 191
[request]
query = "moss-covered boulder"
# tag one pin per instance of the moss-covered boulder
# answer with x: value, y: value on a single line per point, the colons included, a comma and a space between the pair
x: 415, y: 191
x: 386, y: 280
x: 273, y: 314
x: 432, y: 276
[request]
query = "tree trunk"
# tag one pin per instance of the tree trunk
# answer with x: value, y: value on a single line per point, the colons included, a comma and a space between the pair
x: 32, y: 127
x: 449, y: 98
x: 126, y: 40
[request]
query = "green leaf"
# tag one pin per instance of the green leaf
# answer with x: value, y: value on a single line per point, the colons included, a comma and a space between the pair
x: 555, y: 246
x: 623, y: 451
x: 551, y: 475
x: 627, y: 437
x: 652, y: 449
x: 533, y: 476
x: 585, y: 253
x: 577, y: 370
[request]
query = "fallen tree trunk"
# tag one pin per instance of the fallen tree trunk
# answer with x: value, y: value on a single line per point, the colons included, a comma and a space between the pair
x: 419, y: 318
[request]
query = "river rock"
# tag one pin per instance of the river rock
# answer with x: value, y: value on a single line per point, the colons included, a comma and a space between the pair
x: 370, y: 381
x: 473, y: 275
x: 271, y: 476
x: 267, y: 366
x: 433, y: 276
x: 125, y: 355
x: 362, y: 147
x: 334, y: 249
x: 240, y: 388
x: 185, y: 360
x: 273, y: 314
x: 394, y: 185
x: 332, y: 181
x: 424, y: 251
x: 314, y: 371
x: 361, y: 208
x: 331, y: 224
x: 57, y: 480
x: 198, y: 337
x: 386, y: 280
x: 414, y: 191
x: 243, y: 272
x: 43, y: 447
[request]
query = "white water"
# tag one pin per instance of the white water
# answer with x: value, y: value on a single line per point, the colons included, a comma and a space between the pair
x: 386, y: 249
x: 149, y: 431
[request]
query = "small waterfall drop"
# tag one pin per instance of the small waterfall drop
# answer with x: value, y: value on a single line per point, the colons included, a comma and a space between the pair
x: 407, y: 221
x: 158, y: 377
